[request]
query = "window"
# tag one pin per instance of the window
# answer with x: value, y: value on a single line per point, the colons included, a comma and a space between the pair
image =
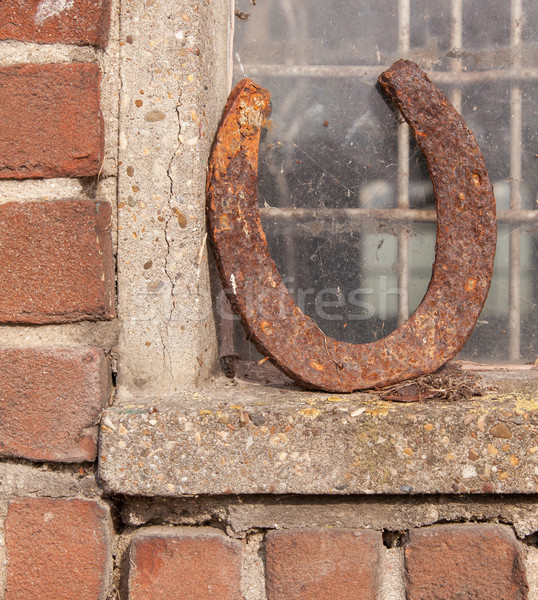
x: 345, y: 197
x: 174, y: 430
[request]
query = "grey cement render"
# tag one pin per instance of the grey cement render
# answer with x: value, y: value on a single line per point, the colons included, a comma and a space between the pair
x: 173, y: 71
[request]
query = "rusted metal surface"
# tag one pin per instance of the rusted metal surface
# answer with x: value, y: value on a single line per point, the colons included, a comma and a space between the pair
x: 465, y: 248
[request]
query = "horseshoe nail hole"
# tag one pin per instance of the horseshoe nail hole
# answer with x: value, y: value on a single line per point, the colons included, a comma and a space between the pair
x: 477, y: 180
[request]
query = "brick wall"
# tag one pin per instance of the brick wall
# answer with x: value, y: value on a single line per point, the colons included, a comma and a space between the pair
x: 57, y: 256
x: 61, y: 536
x: 57, y: 299
x: 63, y: 548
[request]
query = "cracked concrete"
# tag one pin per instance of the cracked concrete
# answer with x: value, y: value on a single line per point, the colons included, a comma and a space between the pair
x: 171, y: 207
x: 166, y: 355
x: 173, y: 88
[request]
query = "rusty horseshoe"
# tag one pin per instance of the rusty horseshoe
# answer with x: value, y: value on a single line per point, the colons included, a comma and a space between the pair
x: 465, y: 246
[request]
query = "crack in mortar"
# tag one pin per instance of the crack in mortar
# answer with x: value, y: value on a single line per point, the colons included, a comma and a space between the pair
x: 168, y: 250
x: 166, y: 354
x: 170, y: 197
x: 121, y: 120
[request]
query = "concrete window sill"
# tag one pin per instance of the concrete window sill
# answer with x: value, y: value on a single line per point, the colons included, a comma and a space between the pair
x: 235, y: 439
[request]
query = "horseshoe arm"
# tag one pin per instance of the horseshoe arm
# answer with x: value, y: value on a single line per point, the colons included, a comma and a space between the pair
x: 465, y: 246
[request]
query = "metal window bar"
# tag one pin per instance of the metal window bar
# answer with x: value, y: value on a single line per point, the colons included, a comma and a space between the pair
x: 516, y: 125
x: 404, y: 34
x: 456, y: 78
x: 456, y: 42
x: 371, y: 72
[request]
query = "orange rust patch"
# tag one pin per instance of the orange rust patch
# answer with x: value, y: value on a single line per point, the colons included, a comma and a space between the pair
x: 224, y: 224
x: 471, y: 284
x: 266, y: 327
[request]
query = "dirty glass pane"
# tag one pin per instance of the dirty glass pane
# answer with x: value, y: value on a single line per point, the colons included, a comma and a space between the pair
x: 335, y: 167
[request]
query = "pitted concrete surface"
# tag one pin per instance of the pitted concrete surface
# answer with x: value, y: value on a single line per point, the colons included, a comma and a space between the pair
x: 235, y: 440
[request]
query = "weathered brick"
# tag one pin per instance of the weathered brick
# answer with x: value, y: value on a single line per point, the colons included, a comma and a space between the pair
x: 55, y: 21
x: 50, y: 401
x: 50, y: 121
x: 198, y: 564
x: 57, y: 549
x: 57, y: 262
x: 316, y: 564
x: 451, y: 562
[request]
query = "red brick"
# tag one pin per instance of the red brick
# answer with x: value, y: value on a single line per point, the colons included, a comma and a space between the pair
x: 180, y: 563
x: 57, y: 262
x: 55, y: 21
x: 57, y: 549
x: 50, y: 401
x: 482, y: 562
x: 50, y: 121
x: 316, y: 564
